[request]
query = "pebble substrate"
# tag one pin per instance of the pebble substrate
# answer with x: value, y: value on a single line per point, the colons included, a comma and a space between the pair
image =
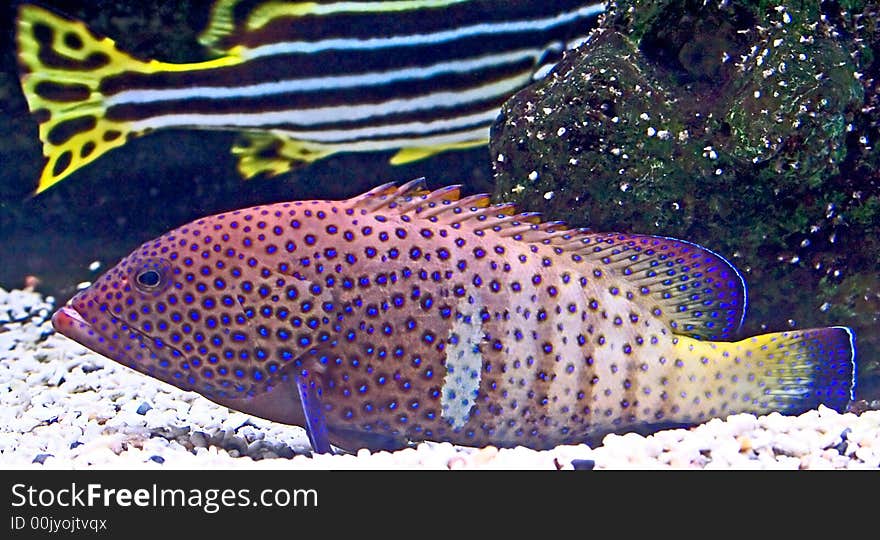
x: 65, y: 407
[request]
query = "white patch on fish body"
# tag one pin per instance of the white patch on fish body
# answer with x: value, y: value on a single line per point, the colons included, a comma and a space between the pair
x: 464, y: 363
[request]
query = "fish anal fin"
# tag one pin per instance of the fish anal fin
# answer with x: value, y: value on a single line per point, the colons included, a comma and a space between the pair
x: 271, y: 154
x: 411, y: 154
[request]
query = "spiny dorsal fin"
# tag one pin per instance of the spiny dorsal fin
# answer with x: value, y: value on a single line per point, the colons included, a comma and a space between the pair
x: 390, y: 196
x: 698, y: 292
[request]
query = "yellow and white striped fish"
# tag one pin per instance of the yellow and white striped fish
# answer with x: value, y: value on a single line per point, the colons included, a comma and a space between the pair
x: 298, y: 80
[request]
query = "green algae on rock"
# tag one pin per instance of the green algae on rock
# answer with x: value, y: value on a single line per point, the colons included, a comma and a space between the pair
x: 742, y: 126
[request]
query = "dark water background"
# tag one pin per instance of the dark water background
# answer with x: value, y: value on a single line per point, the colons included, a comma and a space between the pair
x: 162, y: 180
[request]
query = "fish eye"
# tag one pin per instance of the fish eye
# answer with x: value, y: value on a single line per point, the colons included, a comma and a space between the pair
x: 148, y: 280
x: 151, y: 275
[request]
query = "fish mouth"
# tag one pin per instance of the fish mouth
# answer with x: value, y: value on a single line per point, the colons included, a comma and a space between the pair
x: 68, y: 322
x: 122, y: 344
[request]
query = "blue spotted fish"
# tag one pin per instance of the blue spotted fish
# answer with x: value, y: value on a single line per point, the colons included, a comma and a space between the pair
x: 404, y: 315
x: 298, y: 80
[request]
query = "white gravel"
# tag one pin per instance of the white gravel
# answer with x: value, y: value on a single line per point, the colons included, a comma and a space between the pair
x: 64, y: 407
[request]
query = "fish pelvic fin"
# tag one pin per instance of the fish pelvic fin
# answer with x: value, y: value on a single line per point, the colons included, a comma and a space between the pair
x: 411, y: 154
x: 271, y: 154
x: 64, y: 67
x: 787, y: 372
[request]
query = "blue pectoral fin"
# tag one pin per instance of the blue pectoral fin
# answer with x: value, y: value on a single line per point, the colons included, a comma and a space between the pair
x: 316, y: 423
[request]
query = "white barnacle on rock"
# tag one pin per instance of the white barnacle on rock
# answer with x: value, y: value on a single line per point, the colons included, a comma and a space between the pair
x: 709, y: 152
x: 464, y: 363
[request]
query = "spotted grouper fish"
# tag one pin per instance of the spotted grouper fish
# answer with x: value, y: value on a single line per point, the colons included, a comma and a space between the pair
x: 298, y: 81
x: 404, y: 315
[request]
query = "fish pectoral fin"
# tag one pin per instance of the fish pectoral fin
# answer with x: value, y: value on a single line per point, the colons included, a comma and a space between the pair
x: 416, y: 153
x: 272, y: 154
x: 309, y: 388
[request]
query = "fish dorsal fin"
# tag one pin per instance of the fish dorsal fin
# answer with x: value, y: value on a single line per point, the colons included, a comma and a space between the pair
x: 390, y: 196
x: 698, y: 293
x: 221, y: 26
x: 232, y: 20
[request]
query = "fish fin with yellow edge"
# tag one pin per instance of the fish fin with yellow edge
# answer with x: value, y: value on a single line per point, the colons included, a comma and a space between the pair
x: 416, y: 153
x: 272, y: 154
x: 787, y: 372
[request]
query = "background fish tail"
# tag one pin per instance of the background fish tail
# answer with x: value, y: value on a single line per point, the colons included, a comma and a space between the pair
x: 63, y: 65
x: 789, y: 372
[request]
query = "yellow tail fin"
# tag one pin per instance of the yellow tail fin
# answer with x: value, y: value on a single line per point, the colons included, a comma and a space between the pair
x: 789, y: 372
x: 63, y: 64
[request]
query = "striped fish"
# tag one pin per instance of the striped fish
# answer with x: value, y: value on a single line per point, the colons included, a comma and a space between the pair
x: 405, y: 315
x: 299, y: 80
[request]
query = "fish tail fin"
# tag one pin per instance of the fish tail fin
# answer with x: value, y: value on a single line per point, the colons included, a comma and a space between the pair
x: 788, y: 372
x: 62, y: 66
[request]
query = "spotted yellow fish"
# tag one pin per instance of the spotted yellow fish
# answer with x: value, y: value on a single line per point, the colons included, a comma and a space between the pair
x: 298, y: 80
x: 404, y: 315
